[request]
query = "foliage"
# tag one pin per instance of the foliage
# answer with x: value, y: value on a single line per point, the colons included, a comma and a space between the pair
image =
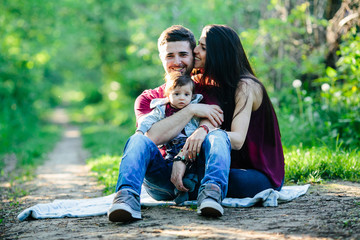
x: 124, y: 57
x: 33, y: 150
x: 321, y: 163
x: 341, y: 99
x: 330, y: 110
x: 29, y: 154
x: 22, y: 67
x: 284, y: 47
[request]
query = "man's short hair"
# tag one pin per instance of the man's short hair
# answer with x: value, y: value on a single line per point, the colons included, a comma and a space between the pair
x: 177, y: 33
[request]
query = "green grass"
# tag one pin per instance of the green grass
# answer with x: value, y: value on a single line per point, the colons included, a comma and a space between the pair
x: 32, y: 152
x: 106, y: 170
x: 105, y: 139
x: 106, y: 144
x: 29, y: 154
x: 321, y: 163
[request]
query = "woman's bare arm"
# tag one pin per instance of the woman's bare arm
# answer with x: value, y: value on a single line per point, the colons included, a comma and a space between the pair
x: 249, y: 95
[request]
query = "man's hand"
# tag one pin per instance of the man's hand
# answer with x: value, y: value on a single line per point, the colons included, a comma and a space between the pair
x: 177, y: 174
x: 212, y: 112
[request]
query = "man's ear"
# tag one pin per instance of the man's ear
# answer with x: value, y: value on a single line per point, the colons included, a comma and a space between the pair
x: 160, y: 52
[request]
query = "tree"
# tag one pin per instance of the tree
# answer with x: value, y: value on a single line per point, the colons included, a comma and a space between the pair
x: 346, y: 17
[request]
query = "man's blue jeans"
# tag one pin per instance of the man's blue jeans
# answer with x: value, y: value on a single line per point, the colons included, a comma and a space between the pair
x: 143, y: 162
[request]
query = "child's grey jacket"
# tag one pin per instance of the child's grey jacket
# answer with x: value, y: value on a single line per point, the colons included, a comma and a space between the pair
x: 158, y: 113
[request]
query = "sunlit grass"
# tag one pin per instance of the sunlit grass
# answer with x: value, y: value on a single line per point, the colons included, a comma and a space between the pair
x: 106, y: 144
x: 105, y: 139
x: 321, y: 163
x: 106, y: 170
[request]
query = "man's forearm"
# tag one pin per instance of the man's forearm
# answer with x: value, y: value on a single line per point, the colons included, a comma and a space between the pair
x: 168, y: 128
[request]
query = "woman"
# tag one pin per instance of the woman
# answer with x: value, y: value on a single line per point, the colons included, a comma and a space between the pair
x: 257, y: 160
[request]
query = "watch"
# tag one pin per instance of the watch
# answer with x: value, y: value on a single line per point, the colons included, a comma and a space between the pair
x: 178, y: 158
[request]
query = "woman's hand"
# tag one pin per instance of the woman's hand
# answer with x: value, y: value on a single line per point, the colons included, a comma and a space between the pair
x: 192, y: 146
x: 212, y: 112
x: 196, y: 77
x: 177, y: 174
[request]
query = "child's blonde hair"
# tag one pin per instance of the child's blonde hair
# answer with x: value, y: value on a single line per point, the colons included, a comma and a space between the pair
x: 176, y: 79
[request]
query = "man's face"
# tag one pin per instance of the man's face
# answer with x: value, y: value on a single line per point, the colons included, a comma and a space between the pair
x: 177, y: 56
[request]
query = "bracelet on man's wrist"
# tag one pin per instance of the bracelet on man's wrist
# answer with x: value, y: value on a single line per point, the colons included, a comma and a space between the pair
x: 205, y: 128
x: 178, y: 158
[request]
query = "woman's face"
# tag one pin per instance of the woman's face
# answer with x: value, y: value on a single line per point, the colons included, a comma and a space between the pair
x: 200, y: 53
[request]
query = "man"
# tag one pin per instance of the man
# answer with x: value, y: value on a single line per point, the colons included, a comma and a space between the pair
x: 143, y: 162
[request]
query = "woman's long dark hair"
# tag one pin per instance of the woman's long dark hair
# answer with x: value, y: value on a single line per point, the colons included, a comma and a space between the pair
x: 227, y: 64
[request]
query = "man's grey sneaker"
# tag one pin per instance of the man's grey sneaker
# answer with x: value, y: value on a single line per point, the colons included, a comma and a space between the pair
x: 125, y: 207
x: 209, y: 201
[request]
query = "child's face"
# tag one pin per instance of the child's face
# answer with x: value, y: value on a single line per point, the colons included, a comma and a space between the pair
x: 180, y: 97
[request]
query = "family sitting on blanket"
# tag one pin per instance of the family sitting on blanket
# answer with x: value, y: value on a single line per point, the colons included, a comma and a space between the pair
x: 236, y: 150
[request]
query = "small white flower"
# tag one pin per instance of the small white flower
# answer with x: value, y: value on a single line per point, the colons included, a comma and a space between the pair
x: 274, y: 100
x: 291, y: 118
x: 337, y: 94
x: 115, y: 86
x: 297, y: 83
x: 308, y: 99
x: 325, y: 87
x: 113, y: 96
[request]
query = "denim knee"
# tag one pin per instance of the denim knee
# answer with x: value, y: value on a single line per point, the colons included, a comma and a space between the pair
x: 216, y: 154
x: 139, y: 141
x: 139, y: 138
x: 216, y: 136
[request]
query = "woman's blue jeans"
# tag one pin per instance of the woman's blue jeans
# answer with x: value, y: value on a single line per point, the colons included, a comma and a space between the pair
x: 142, y: 162
x: 247, y: 183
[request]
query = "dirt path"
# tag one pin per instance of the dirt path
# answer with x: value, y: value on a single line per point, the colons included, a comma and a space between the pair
x: 328, y: 211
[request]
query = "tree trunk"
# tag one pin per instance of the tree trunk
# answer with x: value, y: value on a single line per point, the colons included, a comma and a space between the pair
x: 344, y: 19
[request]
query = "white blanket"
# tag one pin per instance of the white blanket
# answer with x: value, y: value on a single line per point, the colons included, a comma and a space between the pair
x: 99, y: 206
